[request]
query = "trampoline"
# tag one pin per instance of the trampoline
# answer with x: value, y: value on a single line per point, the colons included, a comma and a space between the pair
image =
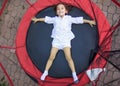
x: 34, y: 43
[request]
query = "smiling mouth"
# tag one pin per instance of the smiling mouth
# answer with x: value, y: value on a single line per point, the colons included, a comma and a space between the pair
x: 61, y: 12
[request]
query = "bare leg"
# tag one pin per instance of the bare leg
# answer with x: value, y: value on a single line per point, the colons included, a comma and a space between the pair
x: 67, y: 52
x: 49, y: 62
x: 51, y: 58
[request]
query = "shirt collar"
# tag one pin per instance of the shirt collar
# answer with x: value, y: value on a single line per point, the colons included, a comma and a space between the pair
x: 63, y: 17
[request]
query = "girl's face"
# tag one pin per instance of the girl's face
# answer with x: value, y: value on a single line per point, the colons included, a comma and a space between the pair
x: 61, y: 10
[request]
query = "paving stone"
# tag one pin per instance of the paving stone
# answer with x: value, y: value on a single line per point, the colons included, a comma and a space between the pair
x: 100, y: 5
x: 17, y: 3
x: 106, y: 2
x: 4, y: 30
x: 107, y: 79
x: 1, y: 58
x: 13, y: 59
x: 2, y: 51
x: 27, y: 79
x: 117, y: 40
x: 116, y: 47
x: 105, y: 8
x: 13, y: 69
x: 14, y: 13
x: 105, y: 13
x: 7, y: 53
x: 1, y: 74
x: 32, y: 83
x: 10, y: 62
x: 20, y: 83
x: 16, y: 75
x: 16, y: 82
x: 11, y: 20
x: 116, y: 17
x: 15, y: 23
x: 94, y: 1
x: 25, y: 84
x: 4, y: 63
x: 8, y: 69
x: 116, y: 83
x: 7, y: 34
x: 100, y: 83
x: 111, y: 9
x: 102, y: 76
x: 109, y: 67
x: 100, y: 1
x: 22, y: 76
x: 6, y: 18
x: 13, y: 31
x: 2, y: 40
x: 116, y: 75
x: 10, y: 42
x: 32, y: 1
x: 118, y: 10
x: 110, y: 18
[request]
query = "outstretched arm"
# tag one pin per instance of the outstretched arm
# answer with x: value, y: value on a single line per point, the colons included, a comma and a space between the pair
x: 81, y: 20
x: 91, y: 22
x: 38, y: 19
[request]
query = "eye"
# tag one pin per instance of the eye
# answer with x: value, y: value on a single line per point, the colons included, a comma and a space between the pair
x: 58, y: 9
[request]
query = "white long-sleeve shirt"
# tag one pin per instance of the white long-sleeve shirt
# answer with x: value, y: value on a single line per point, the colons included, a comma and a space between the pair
x: 62, y: 26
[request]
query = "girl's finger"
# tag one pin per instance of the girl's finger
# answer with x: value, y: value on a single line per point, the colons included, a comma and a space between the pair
x: 91, y: 25
x: 94, y: 23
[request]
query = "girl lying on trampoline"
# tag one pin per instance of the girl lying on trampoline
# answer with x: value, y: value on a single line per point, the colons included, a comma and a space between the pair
x: 62, y: 36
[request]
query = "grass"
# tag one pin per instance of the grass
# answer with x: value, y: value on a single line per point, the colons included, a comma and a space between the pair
x: 3, y: 82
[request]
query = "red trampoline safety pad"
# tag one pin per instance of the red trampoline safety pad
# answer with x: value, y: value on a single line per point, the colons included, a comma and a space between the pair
x: 21, y: 52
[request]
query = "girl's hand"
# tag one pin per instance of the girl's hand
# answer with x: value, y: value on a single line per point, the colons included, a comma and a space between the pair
x: 92, y: 22
x: 35, y: 19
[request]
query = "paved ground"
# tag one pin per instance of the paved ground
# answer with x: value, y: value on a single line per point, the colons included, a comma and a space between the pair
x: 1, y: 3
x: 9, y: 22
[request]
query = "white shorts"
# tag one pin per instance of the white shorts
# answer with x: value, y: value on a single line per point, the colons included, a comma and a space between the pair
x: 61, y: 44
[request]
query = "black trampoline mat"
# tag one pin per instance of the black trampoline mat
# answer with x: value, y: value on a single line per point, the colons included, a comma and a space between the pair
x: 39, y: 44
